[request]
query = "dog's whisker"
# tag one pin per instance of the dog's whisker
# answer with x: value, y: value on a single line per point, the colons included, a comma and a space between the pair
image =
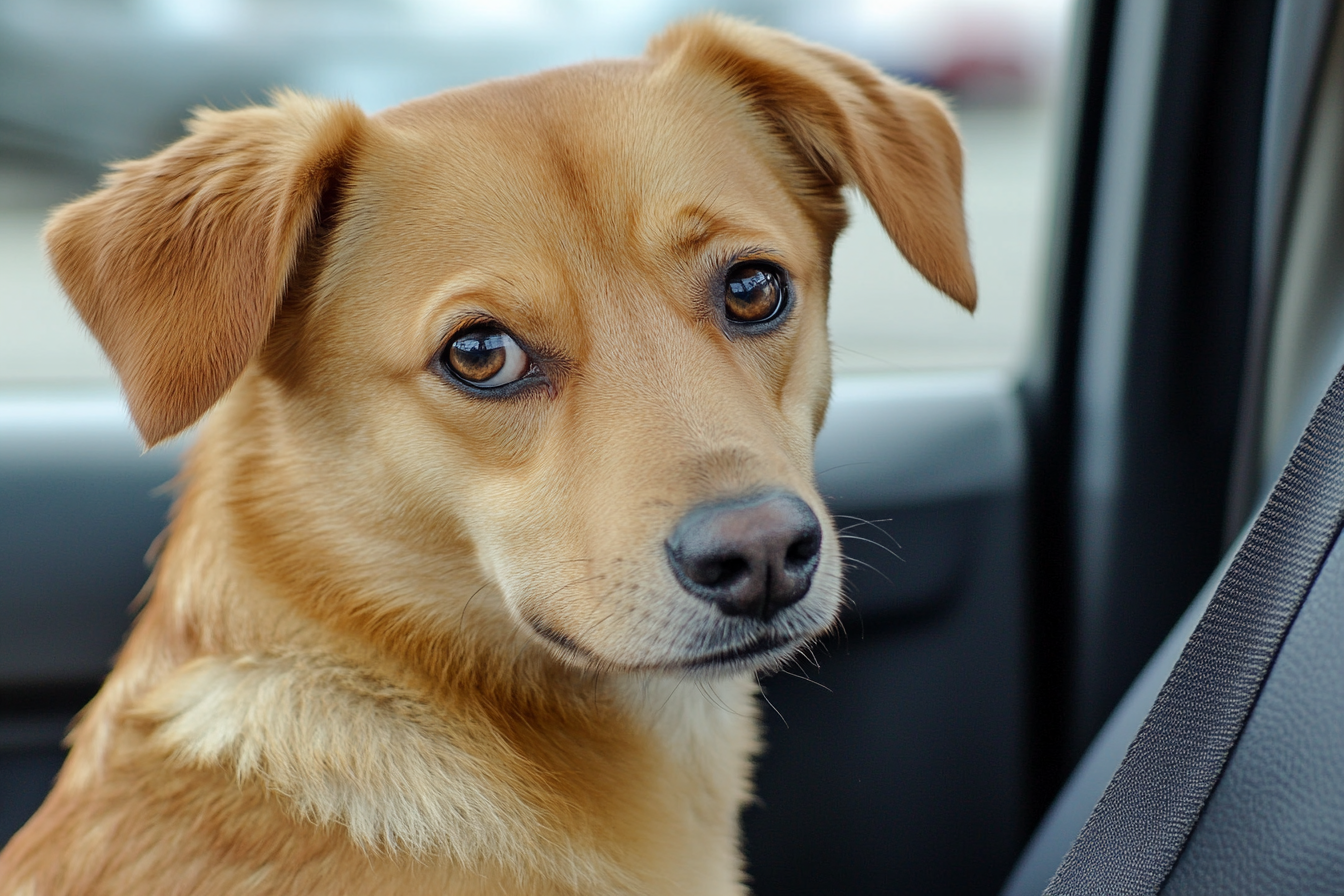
x: 857, y: 463
x: 852, y: 562
x: 761, y: 690
x: 878, y: 545
x: 462, y: 620
x: 850, y: 528
x: 675, y: 687
x: 849, y: 560
x: 707, y: 690
x: 598, y: 676
x: 803, y: 676
x: 860, y: 521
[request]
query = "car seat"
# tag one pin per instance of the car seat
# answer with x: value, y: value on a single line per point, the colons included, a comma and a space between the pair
x: 1222, y: 770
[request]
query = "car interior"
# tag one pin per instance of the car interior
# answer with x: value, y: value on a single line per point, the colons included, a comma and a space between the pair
x: 1095, y: 607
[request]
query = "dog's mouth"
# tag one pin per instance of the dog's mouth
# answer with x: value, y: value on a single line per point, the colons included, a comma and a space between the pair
x: 764, y: 649
x: 564, y: 642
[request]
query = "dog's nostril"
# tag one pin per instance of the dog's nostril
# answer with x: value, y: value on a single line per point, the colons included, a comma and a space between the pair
x: 805, y: 548
x: 747, y: 557
x: 718, y: 572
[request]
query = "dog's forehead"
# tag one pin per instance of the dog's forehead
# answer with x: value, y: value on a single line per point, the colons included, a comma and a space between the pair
x: 622, y: 151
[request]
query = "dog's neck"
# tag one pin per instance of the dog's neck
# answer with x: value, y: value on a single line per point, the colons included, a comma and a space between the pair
x: 500, y: 757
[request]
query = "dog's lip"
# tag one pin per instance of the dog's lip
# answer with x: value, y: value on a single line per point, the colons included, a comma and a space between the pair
x: 560, y: 640
x: 761, y: 645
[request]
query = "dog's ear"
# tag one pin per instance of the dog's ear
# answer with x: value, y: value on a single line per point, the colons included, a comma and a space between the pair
x: 847, y: 123
x: 179, y: 262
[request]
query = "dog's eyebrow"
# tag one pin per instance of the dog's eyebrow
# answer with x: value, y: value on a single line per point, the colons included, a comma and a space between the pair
x: 695, y: 226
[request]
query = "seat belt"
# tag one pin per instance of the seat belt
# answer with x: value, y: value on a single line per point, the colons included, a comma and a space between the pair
x: 1138, y: 829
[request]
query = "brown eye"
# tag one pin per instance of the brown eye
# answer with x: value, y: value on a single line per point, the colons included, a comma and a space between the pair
x: 486, y: 357
x: 753, y: 293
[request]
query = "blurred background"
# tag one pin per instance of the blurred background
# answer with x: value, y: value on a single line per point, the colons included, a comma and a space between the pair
x: 86, y: 82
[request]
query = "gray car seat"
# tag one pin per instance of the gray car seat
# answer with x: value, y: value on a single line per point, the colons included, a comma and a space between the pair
x: 1232, y: 780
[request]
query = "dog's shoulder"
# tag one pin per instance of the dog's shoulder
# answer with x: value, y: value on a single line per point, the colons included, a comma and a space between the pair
x: 347, y: 749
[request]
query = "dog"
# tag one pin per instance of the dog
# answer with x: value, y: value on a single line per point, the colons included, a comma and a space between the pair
x: 506, y: 494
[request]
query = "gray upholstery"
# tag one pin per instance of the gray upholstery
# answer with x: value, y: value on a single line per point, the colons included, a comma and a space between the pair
x: 1275, y: 823
x: 1234, y: 781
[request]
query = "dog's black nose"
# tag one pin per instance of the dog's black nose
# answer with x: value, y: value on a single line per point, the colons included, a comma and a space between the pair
x: 747, y: 557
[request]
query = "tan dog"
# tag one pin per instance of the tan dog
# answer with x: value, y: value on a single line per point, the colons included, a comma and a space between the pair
x: 517, y: 389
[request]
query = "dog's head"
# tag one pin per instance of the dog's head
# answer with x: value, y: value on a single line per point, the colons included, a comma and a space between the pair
x: 562, y: 336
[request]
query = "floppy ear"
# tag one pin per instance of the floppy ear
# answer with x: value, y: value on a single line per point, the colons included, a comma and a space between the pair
x: 179, y: 262
x: 847, y: 123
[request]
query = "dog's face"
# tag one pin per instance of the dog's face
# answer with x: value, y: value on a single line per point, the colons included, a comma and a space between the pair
x: 571, y: 346
x: 563, y: 337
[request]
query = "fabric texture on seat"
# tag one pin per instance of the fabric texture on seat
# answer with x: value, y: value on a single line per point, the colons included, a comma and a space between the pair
x: 1275, y: 822
x: 1143, y: 821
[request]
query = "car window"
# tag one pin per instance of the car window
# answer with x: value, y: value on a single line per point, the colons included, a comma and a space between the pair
x: 83, y: 83
x: 1307, y: 339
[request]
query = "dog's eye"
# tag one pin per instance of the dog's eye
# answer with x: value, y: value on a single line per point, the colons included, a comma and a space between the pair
x: 753, y: 293
x: 487, y: 358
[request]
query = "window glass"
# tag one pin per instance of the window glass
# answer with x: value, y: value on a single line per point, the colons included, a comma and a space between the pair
x: 1307, y: 347
x: 83, y: 83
